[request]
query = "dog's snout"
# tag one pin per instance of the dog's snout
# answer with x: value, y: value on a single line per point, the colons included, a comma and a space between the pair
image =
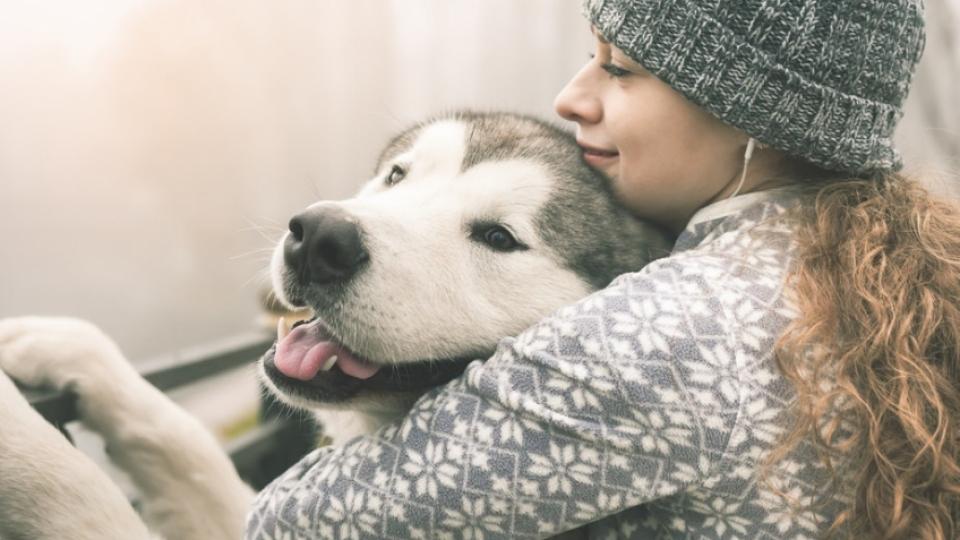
x: 324, y: 246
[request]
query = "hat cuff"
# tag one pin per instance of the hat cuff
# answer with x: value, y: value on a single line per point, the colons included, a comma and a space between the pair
x: 747, y: 88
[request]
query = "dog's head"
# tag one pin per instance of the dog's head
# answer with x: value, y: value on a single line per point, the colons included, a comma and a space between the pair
x: 473, y: 227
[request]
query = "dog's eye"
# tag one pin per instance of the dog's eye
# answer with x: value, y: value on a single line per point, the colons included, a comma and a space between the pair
x: 499, y: 239
x: 396, y: 174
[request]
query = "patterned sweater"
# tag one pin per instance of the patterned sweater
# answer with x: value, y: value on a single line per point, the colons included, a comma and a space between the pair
x: 642, y: 410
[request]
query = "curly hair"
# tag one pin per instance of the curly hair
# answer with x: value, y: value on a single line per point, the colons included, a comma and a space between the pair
x: 877, y: 288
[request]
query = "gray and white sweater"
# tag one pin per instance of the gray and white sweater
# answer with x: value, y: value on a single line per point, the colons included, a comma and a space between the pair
x: 643, y: 410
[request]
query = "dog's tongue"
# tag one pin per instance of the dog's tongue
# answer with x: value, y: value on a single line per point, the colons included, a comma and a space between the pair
x: 303, y: 352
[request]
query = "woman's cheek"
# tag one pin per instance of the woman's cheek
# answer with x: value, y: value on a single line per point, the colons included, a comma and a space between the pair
x: 632, y: 192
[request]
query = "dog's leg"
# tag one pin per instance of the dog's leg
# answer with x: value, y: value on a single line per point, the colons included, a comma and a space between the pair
x: 189, y: 485
x: 48, y: 489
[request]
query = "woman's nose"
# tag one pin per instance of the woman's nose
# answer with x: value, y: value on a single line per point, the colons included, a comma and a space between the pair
x: 578, y: 100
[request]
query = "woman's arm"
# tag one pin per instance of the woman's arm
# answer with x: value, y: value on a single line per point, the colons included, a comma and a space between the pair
x: 627, y: 396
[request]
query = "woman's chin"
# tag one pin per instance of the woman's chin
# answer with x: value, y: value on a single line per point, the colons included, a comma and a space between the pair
x: 610, y: 169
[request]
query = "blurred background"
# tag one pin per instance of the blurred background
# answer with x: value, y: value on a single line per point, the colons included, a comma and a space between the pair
x: 152, y: 151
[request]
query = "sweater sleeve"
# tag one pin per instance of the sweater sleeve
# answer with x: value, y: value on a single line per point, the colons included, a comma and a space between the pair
x: 627, y: 396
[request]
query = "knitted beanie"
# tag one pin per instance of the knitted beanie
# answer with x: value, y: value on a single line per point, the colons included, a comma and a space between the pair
x: 822, y: 80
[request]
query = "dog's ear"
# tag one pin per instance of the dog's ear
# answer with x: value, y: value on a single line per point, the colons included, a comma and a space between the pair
x: 645, y: 241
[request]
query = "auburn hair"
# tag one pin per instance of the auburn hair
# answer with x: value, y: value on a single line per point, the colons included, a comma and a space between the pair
x: 876, y: 284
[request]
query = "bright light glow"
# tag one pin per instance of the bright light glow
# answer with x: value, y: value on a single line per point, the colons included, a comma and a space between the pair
x: 76, y: 30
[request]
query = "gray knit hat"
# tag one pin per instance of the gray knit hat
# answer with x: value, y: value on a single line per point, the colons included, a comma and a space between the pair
x: 822, y: 80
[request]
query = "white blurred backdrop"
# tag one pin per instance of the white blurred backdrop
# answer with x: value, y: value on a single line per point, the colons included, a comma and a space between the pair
x: 151, y: 151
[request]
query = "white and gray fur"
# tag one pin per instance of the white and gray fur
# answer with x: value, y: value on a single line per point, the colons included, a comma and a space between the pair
x: 432, y: 297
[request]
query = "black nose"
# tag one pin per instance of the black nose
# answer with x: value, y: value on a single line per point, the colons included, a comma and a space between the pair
x: 324, y: 246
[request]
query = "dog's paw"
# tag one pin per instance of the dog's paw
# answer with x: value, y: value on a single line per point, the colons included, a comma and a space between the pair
x: 62, y: 353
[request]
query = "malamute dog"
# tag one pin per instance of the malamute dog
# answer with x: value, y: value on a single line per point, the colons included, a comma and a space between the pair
x: 473, y: 227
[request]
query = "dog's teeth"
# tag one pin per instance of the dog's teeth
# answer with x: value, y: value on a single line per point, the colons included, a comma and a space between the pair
x: 283, y: 328
x: 330, y: 363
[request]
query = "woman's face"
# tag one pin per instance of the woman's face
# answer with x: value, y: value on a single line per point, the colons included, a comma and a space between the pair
x: 667, y: 158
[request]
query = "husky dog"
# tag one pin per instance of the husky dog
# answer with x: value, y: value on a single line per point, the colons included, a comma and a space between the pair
x: 473, y: 227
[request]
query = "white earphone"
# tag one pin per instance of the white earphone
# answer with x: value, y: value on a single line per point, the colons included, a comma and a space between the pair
x: 746, y: 161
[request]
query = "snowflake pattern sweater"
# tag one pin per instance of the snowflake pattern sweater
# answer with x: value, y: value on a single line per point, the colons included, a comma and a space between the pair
x: 643, y: 410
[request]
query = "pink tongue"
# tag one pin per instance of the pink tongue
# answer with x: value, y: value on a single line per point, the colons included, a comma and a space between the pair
x: 306, y: 349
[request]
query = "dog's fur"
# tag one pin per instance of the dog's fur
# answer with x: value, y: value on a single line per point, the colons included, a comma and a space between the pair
x: 432, y: 296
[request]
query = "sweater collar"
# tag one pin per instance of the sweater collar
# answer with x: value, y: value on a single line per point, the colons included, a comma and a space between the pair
x: 732, y: 213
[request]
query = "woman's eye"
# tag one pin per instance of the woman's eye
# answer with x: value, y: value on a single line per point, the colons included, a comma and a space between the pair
x: 396, y: 174
x: 500, y: 239
x: 615, y: 71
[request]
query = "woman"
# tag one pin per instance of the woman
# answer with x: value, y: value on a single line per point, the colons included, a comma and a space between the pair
x: 791, y: 370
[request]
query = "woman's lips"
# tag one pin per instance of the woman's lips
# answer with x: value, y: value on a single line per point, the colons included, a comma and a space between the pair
x: 598, y: 157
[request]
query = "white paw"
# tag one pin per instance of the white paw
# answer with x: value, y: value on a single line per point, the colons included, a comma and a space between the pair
x: 58, y: 352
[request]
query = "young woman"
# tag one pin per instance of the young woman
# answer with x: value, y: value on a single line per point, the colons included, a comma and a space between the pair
x: 791, y: 370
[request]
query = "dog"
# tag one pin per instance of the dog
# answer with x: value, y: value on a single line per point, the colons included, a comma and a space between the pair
x: 473, y: 227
